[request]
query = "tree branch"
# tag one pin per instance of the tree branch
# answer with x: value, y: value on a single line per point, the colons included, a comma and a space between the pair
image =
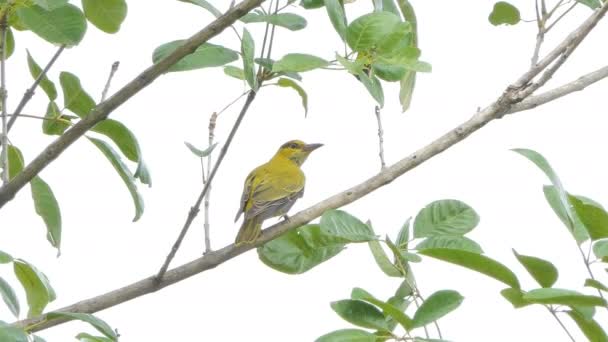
x: 102, y: 110
x: 4, y: 136
x: 380, y: 138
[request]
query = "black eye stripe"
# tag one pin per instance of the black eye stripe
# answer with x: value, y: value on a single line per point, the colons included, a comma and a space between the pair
x: 290, y: 144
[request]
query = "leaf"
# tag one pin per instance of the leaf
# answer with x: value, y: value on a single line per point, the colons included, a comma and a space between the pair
x: 389, y: 72
x: 37, y: 288
x: 342, y: 225
x: 347, y: 335
x: 600, y: 249
x: 573, y: 223
x: 337, y: 16
x: 593, y: 216
x: 515, y: 297
x: 5, y: 258
x: 389, y: 6
x: 388, y: 309
x: 37, y: 338
x: 50, y: 5
x: 596, y: 284
x: 299, y: 250
x: 287, y: 83
x: 541, y: 270
x: 97, y: 323
x: 445, y: 217
x: 562, y: 297
x: 436, y: 306
x: 205, y: 56
x: 248, y: 51
x: 402, y: 255
x: 9, y: 297
x: 54, y: 123
x: 452, y: 242
x: 123, y: 172
x: 360, y: 313
x: 299, y: 62
x: 63, y: 25
x: 407, y: 84
x: 10, y: 333
x: 235, y: 72
x: 200, y: 153
x: 592, y: 330
x: 106, y: 15
x: 10, y: 44
x: 398, y: 43
x: 126, y: 141
x: 84, y: 337
x: 382, y: 260
x: 311, y: 4
x: 504, y: 13
x: 290, y: 21
x: 206, y: 5
x: 365, y: 32
x: 593, y: 4
x: 47, y: 207
x: 475, y: 262
x: 373, y: 86
x: 354, y: 67
x: 15, y: 161
x: 404, y: 235
x: 75, y: 98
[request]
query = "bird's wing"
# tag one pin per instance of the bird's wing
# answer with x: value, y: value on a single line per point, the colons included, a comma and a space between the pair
x: 275, y: 193
x: 246, y: 193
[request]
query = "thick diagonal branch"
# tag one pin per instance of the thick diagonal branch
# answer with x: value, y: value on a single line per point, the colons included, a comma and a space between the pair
x: 101, y: 111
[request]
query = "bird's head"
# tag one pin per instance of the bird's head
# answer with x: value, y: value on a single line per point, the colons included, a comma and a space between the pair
x: 297, y: 151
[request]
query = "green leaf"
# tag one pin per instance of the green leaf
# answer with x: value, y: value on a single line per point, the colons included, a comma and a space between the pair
x: 365, y: 32
x: 600, y: 249
x: 15, y: 161
x: 311, y: 4
x: 10, y: 333
x: 235, y: 72
x: 354, y: 67
x: 10, y: 43
x: 299, y: 62
x: 402, y: 255
x: 342, y: 225
x: 541, y: 270
x: 436, y: 306
x: 337, y: 16
x: 97, y: 323
x: 562, y: 297
x: 289, y: 21
x: 404, y: 235
x: 389, y: 6
x: 593, y: 4
x: 287, y: 83
x: 299, y: 250
x: 63, y: 25
x: 50, y: 5
x: 504, y: 13
x: 596, y: 284
x: 406, y: 287
x: 592, y: 330
x: 37, y: 288
x: 515, y: 297
x: 126, y: 141
x: 9, y: 297
x: 55, y: 122
x: 205, y: 56
x: 106, y: 15
x: 573, y: 223
x: 398, y: 43
x: 347, y: 335
x: 200, y: 153
x: 593, y: 216
x: 75, y: 98
x: 475, y: 262
x: 360, y: 313
x: 123, y: 172
x: 382, y: 260
x: 373, y: 86
x: 407, y: 84
x: 37, y: 338
x: 445, y: 217
x: 84, y: 337
x: 452, y: 242
x: 248, y: 51
x: 389, y: 72
x: 206, y: 5
x: 387, y: 309
x: 47, y: 207
x: 5, y: 258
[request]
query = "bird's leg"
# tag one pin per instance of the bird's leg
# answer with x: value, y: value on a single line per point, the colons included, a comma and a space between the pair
x: 285, y: 217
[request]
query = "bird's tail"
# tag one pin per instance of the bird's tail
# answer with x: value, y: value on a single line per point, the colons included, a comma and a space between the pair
x: 249, y: 232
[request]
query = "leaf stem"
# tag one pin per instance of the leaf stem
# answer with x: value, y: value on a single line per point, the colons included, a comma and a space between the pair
x: 561, y: 323
x: 104, y: 93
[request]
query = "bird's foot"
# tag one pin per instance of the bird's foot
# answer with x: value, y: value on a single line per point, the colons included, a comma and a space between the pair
x: 286, y: 218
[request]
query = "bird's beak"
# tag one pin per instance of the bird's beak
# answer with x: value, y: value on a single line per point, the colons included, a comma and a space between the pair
x: 311, y: 147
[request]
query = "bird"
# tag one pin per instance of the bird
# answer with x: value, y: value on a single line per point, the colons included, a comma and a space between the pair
x: 272, y: 188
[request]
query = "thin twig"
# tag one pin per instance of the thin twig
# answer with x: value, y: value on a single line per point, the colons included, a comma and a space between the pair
x: 380, y: 138
x: 276, y: 8
x: 206, y: 225
x: 30, y: 91
x: 586, y: 262
x: 231, y: 103
x: 104, y: 93
x: 561, y: 16
x: 30, y: 116
x: 561, y: 324
x: 196, y: 207
x: 540, y: 36
x: 4, y: 152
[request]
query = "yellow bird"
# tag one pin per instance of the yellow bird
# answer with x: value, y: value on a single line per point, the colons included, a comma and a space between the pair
x: 272, y: 188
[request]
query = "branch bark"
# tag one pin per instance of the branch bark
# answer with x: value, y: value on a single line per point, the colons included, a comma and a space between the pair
x: 102, y: 110
x: 506, y: 103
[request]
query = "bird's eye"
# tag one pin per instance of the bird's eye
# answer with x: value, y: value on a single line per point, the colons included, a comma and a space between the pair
x: 293, y: 145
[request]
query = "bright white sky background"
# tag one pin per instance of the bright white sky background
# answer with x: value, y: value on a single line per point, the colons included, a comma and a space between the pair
x: 243, y: 300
